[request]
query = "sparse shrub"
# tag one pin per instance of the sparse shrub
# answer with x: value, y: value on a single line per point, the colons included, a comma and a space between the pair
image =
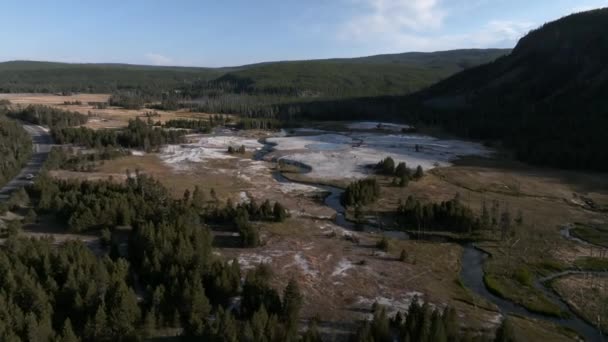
x: 30, y: 217
x: 523, y: 276
x: 419, y: 173
x: 383, y: 244
x: 403, y: 255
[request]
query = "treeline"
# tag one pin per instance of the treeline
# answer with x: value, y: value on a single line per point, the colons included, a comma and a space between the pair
x: 454, y: 216
x: 199, y: 126
x: 401, y: 172
x: 424, y: 323
x: 105, y: 204
x: 449, y: 215
x: 138, y: 134
x: 15, y: 149
x: 74, y: 160
x: 259, y: 123
x: 45, y: 77
x: 361, y: 192
x: 129, y: 99
x: 48, y: 116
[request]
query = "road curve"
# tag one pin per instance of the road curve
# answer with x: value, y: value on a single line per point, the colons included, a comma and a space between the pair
x: 42, y: 144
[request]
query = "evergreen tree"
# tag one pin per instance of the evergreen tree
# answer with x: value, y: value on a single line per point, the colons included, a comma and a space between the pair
x: 505, y: 332
x: 401, y: 170
x: 96, y: 327
x: 67, y: 335
x: 279, y: 212
x: 419, y: 172
x: 292, y: 303
x: 403, y: 255
x: 123, y: 311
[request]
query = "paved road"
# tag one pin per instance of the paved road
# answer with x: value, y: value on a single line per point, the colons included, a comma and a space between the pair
x: 42, y: 146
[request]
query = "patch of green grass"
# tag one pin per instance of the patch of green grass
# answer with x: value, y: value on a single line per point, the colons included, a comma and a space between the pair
x: 592, y: 264
x: 597, y: 235
x: 546, y: 267
x: 528, y: 297
x: 523, y: 276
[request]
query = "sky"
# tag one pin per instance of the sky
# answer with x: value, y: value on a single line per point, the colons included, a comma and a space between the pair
x: 235, y: 32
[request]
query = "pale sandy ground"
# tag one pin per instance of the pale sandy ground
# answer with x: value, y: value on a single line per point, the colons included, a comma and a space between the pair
x: 338, y: 156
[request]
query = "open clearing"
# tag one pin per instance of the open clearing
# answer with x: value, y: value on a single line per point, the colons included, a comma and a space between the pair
x: 110, y: 117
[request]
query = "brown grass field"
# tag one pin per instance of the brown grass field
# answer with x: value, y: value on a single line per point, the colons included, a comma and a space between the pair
x: 111, y: 117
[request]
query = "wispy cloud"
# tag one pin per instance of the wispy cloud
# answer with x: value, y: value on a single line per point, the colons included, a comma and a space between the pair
x: 389, y: 17
x: 417, y: 25
x: 158, y: 59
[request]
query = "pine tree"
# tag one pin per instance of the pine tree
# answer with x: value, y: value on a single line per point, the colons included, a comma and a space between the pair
x: 437, y: 332
x: 279, y: 212
x: 95, y: 329
x: 149, y: 325
x: 505, y: 332
x: 404, y: 181
x: 401, y: 170
x: 403, y: 255
x: 68, y: 335
x: 485, y: 216
x: 198, y: 197
x: 123, y: 311
x: 292, y: 303
x: 383, y: 244
x: 419, y: 172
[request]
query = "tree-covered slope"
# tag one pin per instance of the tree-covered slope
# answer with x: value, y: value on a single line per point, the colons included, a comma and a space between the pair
x: 335, y: 78
x: 27, y: 76
x: 395, y: 74
x: 546, y: 99
x: 450, y: 60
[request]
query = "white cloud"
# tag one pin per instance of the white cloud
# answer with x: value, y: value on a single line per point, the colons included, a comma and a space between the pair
x: 158, y: 59
x: 416, y: 25
x: 393, y: 16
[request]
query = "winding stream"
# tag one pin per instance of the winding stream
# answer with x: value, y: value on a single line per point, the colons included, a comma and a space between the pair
x: 471, y: 273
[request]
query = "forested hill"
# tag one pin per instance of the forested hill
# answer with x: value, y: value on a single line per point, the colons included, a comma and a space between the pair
x: 450, y: 60
x: 547, y: 99
x: 48, y: 77
x: 391, y: 74
x: 365, y: 76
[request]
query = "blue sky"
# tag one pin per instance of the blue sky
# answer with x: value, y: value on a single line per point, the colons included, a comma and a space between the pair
x: 233, y: 32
